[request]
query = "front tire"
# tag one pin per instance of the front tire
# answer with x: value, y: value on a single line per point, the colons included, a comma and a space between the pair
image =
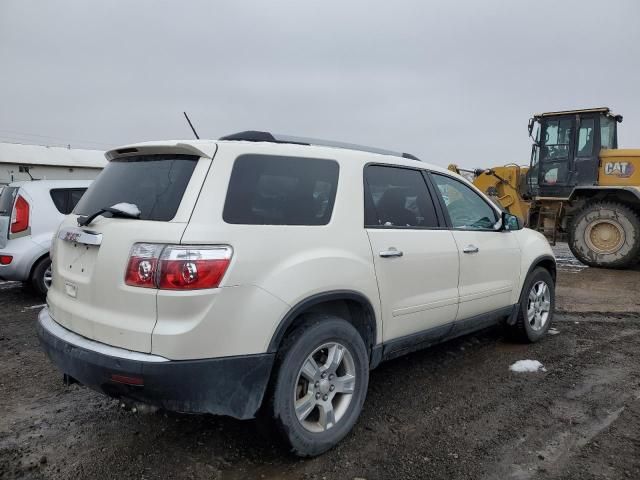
x: 41, y: 276
x: 537, y: 305
x: 606, y: 235
x: 320, y: 384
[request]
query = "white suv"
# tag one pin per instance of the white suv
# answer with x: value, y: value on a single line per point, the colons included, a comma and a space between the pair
x: 30, y: 213
x: 268, y: 274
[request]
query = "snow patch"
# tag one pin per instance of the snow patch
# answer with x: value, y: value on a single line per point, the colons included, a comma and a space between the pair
x: 553, y: 331
x: 527, y: 366
x: 128, y: 208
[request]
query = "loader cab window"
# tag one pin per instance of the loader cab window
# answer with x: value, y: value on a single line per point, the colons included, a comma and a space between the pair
x: 586, y: 134
x: 557, y: 138
x: 532, y: 174
x: 608, y: 132
x: 555, y: 150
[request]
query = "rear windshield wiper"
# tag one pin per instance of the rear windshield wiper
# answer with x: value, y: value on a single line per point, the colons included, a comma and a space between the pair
x: 120, y: 210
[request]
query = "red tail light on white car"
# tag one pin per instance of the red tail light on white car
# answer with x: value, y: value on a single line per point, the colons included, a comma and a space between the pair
x: 177, y: 267
x: 20, y: 215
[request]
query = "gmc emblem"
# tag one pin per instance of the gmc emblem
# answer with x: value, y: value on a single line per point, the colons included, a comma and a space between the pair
x: 71, y: 236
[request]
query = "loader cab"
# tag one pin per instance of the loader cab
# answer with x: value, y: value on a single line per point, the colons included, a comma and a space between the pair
x: 566, y: 149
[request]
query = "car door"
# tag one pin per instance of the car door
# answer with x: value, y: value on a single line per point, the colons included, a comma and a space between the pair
x: 489, y: 259
x: 415, y: 258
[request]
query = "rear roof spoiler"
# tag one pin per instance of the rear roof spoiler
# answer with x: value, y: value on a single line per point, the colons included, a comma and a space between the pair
x: 207, y: 150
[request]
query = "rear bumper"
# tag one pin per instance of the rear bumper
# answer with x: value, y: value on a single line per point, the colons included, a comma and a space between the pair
x: 24, y: 252
x: 232, y: 386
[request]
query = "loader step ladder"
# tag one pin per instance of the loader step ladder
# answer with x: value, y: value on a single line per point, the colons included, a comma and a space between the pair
x: 548, y: 217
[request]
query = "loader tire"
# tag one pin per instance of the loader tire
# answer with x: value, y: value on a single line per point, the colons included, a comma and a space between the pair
x: 606, y: 235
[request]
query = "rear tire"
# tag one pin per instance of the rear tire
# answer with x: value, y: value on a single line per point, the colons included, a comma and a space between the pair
x: 315, y: 407
x: 606, y: 235
x: 537, y: 304
x: 41, y: 276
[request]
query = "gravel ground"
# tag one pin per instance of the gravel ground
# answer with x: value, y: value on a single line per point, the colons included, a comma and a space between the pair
x: 453, y: 412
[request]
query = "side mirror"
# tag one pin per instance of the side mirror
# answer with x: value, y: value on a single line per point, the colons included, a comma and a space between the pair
x: 510, y: 222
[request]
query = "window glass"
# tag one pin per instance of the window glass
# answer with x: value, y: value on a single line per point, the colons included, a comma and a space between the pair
x: 273, y: 190
x: 59, y: 197
x: 74, y: 197
x: 154, y: 183
x: 607, y: 132
x: 7, y: 197
x: 397, y: 197
x: 466, y: 208
x: 585, y: 137
x: 556, y: 137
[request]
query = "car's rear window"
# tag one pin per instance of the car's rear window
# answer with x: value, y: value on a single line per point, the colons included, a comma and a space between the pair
x: 7, y: 197
x: 275, y: 190
x: 154, y: 183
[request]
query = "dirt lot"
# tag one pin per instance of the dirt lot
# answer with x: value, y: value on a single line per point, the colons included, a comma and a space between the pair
x: 454, y: 411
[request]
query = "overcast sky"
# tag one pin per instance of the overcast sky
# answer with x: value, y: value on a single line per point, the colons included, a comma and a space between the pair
x: 447, y: 81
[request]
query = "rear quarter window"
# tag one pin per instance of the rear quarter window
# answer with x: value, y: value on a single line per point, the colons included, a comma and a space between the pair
x: 7, y: 198
x: 65, y: 199
x: 277, y: 190
x: 154, y: 183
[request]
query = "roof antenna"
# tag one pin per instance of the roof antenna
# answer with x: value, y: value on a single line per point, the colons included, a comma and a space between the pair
x: 191, y: 125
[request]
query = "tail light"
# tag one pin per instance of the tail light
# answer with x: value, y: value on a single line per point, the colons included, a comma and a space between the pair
x: 143, y: 265
x: 5, y: 259
x: 20, y: 215
x: 177, y: 267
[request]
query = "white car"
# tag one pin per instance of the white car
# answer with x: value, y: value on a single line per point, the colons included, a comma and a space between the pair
x: 264, y: 273
x: 30, y: 213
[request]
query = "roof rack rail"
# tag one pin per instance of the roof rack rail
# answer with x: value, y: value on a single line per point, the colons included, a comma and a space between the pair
x: 257, y: 136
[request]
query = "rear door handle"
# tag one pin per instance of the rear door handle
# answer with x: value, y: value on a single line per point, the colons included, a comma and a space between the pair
x: 392, y: 252
x: 470, y: 249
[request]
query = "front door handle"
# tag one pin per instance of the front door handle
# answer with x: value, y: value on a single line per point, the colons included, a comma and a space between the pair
x: 392, y: 252
x: 470, y: 249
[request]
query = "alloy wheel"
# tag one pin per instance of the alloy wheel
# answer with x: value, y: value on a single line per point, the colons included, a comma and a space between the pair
x: 47, y: 277
x: 539, y: 305
x: 325, y: 386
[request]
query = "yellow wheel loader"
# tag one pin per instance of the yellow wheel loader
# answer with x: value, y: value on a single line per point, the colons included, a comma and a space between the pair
x: 579, y: 186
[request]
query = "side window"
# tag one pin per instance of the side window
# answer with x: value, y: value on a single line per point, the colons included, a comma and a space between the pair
x: 60, y: 197
x: 65, y: 199
x: 467, y: 209
x: 74, y: 197
x: 607, y: 132
x: 274, y: 190
x: 585, y: 137
x: 397, y: 197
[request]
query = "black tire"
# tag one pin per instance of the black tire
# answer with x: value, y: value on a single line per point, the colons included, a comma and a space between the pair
x: 523, y: 330
x: 620, y: 218
x: 316, y: 331
x: 38, y: 281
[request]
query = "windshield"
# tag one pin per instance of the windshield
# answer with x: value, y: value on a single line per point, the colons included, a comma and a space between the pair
x: 153, y: 183
x: 7, y: 197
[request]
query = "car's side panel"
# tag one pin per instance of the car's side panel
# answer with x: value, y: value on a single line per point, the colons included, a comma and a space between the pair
x: 320, y: 298
x: 418, y: 290
x: 489, y: 276
x: 222, y: 322
x: 431, y: 336
x: 291, y: 263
